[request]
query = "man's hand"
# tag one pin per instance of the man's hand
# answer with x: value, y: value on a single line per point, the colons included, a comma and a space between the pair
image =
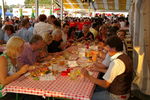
x: 94, y: 68
x: 84, y: 72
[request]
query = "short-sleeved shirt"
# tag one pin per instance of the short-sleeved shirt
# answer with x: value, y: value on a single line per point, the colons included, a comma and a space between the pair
x: 6, y: 37
x: 28, y: 56
x: 116, y: 67
x: 41, y: 28
x: 106, y: 61
x: 24, y: 34
x: 89, y: 35
x: 31, y: 29
x: 94, y: 32
x: 64, y: 37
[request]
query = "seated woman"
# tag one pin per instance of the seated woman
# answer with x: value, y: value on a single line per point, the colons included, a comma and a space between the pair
x: 9, y: 32
x: 8, y: 72
x: 72, y: 34
x: 55, y: 45
x: 103, y: 33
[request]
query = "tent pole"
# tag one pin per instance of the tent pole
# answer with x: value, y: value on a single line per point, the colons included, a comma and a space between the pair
x: 3, y: 11
x: 52, y: 4
x: 61, y: 10
x: 37, y: 8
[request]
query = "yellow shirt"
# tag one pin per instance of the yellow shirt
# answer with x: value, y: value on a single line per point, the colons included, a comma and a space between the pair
x: 94, y: 32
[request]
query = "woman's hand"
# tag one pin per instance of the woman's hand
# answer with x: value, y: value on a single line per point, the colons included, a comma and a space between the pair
x: 24, y: 69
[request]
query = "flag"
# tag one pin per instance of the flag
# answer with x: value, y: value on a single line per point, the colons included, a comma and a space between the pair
x: 20, y: 10
x: 32, y: 14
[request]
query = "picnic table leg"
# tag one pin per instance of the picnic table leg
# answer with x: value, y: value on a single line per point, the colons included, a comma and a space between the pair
x: 50, y: 98
x: 17, y: 96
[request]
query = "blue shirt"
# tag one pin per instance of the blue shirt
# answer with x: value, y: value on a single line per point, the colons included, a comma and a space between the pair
x: 25, y: 34
x: 31, y: 29
x: 6, y: 37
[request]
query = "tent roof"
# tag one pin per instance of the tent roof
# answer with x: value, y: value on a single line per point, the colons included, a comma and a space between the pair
x: 105, y: 5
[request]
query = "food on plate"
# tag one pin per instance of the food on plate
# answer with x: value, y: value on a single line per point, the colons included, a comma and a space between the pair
x: 62, y: 62
x: 39, y: 71
x: 47, y: 64
x: 74, y: 74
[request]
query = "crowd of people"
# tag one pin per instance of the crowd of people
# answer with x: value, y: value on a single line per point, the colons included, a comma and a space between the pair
x: 30, y: 41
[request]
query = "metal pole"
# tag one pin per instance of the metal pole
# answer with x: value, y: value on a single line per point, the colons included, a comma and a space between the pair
x: 3, y: 11
x: 61, y: 10
x: 52, y: 6
x: 36, y: 8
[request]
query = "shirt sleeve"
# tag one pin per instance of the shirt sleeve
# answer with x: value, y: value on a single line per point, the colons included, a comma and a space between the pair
x: 34, y: 30
x: 21, y: 60
x: 30, y: 35
x: 106, y: 61
x: 116, y: 67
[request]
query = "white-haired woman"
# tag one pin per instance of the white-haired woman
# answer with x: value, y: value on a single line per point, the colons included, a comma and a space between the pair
x: 55, y: 45
x: 8, y: 72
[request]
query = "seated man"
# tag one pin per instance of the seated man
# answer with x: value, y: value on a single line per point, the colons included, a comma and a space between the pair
x: 85, y: 34
x: 122, y: 35
x: 118, y: 77
x: 102, y: 64
x: 31, y: 51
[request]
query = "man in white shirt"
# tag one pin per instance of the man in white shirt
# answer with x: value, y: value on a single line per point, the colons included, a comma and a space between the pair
x: 42, y: 27
x: 122, y: 23
x: 118, y: 77
x: 65, y: 30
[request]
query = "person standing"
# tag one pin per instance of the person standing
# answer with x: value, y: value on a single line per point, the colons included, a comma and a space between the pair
x: 23, y: 32
x: 42, y: 27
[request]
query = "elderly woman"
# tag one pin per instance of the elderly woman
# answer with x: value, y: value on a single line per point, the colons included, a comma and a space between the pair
x: 8, y: 72
x: 55, y: 45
